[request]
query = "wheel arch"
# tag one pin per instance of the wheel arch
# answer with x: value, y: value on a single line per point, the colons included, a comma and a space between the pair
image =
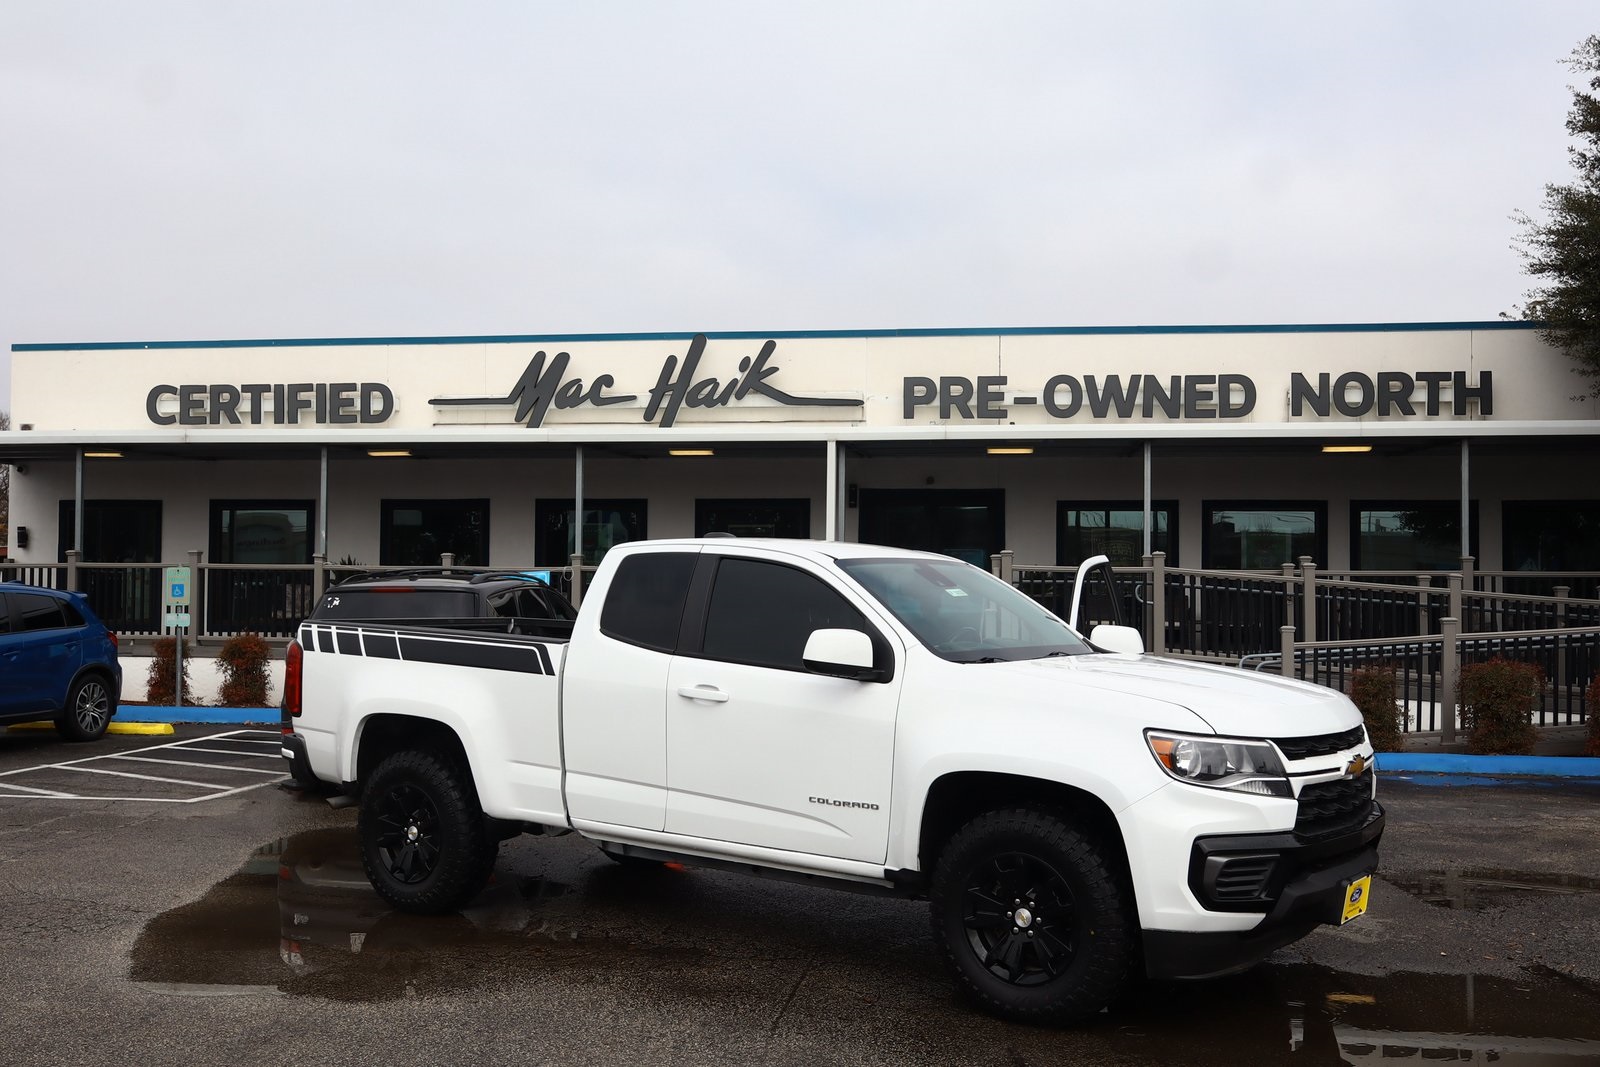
x: 956, y: 798
x: 382, y: 734
x: 105, y: 675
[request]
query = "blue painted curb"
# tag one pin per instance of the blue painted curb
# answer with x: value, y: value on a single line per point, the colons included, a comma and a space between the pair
x: 148, y: 713
x: 1520, y: 766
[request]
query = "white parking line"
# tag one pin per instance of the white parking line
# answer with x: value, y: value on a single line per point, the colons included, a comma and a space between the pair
x: 204, y: 766
x: 14, y: 790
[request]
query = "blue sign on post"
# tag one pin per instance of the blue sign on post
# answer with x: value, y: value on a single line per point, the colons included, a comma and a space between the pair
x: 177, y: 591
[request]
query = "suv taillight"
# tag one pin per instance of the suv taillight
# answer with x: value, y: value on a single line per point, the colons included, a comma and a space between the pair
x: 113, y: 637
x: 291, y: 679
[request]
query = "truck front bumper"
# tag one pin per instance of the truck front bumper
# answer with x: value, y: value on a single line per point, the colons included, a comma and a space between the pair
x: 1299, y: 883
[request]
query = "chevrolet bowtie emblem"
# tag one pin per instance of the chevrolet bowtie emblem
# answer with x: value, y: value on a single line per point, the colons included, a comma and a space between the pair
x: 1357, y: 765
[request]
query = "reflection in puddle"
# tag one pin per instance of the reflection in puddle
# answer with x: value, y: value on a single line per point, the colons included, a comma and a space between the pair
x: 1475, y: 889
x: 300, y: 919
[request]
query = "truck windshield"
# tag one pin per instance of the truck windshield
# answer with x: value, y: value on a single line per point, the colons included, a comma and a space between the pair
x: 964, y: 614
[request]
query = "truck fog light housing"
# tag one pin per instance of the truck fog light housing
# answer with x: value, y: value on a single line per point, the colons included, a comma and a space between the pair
x: 1236, y: 764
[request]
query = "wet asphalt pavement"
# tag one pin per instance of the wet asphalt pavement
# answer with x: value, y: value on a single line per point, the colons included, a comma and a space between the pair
x: 241, y: 930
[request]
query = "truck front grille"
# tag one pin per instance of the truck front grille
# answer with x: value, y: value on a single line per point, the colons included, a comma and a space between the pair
x: 1298, y: 748
x: 1334, y: 807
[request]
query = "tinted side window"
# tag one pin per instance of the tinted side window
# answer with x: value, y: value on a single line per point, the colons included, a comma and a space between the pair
x: 505, y: 604
x: 762, y: 613
x: 71, y: 614
x: 5, y: 615
x: 34, y: 611
x: 644, y: 605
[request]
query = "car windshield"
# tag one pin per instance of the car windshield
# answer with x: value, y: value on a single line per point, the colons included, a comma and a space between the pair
x: 964, y: 614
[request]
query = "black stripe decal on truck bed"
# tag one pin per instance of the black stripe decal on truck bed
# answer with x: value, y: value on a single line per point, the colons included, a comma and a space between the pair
x: 524, y: 658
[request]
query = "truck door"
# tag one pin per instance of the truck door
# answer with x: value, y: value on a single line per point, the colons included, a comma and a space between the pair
x: 761, y: 751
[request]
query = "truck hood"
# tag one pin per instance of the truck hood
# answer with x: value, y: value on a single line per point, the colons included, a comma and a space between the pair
x: 1230, y: 701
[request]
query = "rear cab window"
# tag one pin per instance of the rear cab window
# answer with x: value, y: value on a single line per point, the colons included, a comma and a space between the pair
x: 396, y: 602
x: 644, y: 604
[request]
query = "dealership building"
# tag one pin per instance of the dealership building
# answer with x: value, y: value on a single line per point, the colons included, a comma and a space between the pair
x: 1381, y: 447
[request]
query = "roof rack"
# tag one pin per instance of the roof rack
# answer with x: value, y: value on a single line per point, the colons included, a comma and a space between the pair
x: 413, y: 573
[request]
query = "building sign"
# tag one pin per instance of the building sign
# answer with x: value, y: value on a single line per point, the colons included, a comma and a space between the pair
x: 545, y: 385
x: 300, y: 403
x: 1197, y: 396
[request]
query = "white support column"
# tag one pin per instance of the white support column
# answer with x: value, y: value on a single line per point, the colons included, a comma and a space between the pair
x: 577, y: 506
x: 1466, y: 507
x: 832, y: 521
x: 77, y: 506
x: 322, y: 506
x: 1149, y: 516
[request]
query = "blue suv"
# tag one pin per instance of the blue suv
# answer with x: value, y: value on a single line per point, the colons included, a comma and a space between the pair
x: 57, y: 661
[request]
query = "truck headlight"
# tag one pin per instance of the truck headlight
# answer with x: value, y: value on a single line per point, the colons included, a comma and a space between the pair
x: 1221, y: 763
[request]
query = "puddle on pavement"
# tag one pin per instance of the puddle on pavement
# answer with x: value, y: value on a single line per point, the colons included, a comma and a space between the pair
x: 1472, y: 890
x: 300, y: 920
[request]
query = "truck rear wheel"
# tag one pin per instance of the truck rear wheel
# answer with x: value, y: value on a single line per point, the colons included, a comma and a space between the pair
x: 1033, y: 917
x: 424, y: 842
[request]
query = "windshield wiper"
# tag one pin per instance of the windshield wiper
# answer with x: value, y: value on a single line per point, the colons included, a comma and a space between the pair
x: 986, y: 659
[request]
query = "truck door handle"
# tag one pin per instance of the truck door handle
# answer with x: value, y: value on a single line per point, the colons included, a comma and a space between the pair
x: 709, y: 693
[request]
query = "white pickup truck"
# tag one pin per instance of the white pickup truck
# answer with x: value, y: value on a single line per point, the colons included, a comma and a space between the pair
x: 876, y: 719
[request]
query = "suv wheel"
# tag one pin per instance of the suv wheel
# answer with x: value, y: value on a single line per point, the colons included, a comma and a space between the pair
x: 88, y: 710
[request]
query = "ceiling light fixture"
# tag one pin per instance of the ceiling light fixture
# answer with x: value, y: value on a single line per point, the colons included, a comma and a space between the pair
x: 1010, y: 451
x: 389, y: 453
x: 102, y: 455
x: 690, y: 452
x: 1347, y: 448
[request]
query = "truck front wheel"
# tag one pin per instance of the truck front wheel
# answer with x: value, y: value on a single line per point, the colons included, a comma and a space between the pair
x: 1033, y: 917
x: 424, y: 841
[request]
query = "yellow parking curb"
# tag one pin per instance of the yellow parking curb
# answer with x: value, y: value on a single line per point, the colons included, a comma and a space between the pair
x: 147, y: 729
x: 151, y: 729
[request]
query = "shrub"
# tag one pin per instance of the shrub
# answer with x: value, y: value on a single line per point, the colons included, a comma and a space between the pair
x: 1498, y: 699
x: 1372, y: 689
x: 1592, y: 698
x: 243, y: 662
x: 159, y: 681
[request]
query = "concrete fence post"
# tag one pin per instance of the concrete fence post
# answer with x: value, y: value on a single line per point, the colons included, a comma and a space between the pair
x: 447, y: 560
x: 1454, y: 583
x: 1308, y: 571
x: 1424, y: 584
x: 319, y: 577
x: 197, y: 602
x: 1288, y: 595
x: 1158, y: 602
x: 1007, y: 560
x: 577, y: 581
x: 1468, y: 580
x: 994, y: 564
x: 72, y: 569
x: 1563, y: 592
x: 1449, y: 679
x: 1286, y: 650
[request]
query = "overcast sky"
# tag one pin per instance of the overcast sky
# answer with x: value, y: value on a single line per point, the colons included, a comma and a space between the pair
x: 187, y: 171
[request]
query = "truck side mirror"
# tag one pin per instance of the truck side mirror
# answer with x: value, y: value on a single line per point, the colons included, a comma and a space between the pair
x: 841, y: 654
x: 1117, y: 639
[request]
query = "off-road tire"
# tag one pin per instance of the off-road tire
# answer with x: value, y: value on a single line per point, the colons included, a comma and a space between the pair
x: 1015, y: 864
x: 424, y: 841
x: 88, y: 709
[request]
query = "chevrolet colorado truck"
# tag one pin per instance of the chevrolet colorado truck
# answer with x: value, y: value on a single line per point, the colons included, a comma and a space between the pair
x: 1077, y: 813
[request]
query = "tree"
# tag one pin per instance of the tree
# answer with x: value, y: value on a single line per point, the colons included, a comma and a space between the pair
x: 1563, y: 252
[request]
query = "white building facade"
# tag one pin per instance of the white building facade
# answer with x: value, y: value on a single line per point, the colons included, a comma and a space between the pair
x: 1361, y: 446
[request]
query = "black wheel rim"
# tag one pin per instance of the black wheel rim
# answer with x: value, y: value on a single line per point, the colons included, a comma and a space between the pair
x: 1020, y: 919
x: 408, y: 834
x: 93, y: 708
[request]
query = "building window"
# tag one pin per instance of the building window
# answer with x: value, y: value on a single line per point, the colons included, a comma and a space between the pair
x: 969, y: 524
x: 1551, y: 535
x: 114, y: 531
x: 261, y: 531
x: 1264, y: 534
x: 1114, y: 529
x: 415, y: 533
x: 1425, y: 535
x: 605, y: 523
x: 753, y: 518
